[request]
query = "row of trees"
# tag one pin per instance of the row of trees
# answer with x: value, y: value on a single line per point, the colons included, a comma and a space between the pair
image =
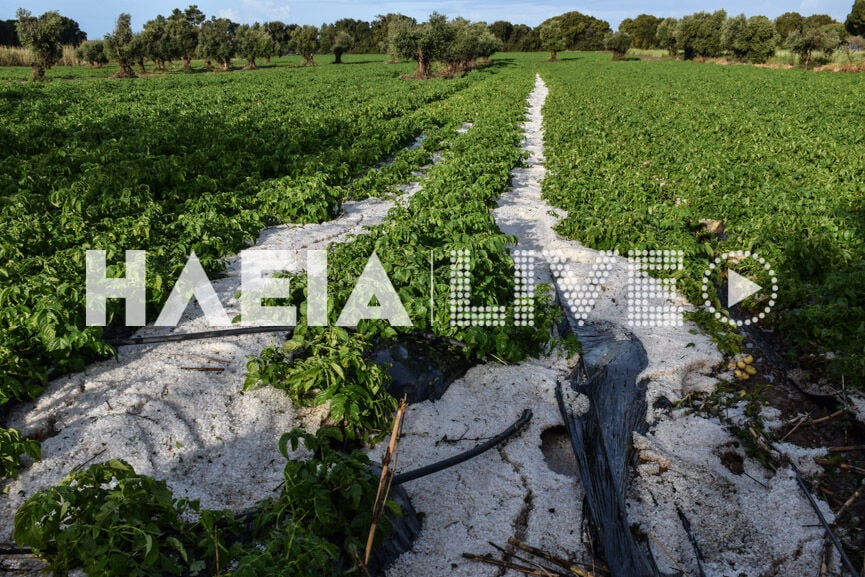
x: 186, y: 34
x: 755, y: 39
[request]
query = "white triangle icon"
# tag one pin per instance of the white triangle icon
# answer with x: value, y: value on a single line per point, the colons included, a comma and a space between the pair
x: 739, y: 288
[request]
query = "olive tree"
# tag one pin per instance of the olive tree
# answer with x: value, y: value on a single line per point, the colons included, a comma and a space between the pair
x: 734, y: 36
x: 619, y: 44
x: 305, y: 42
x: 158, y: 43
x: 342, y: 43
x: 552, y: 38
x: 812, y: 39
x: 462, y: 50
x: 254, y: 42
x: 665, y: 35
x: 761, y: 38
x: 122, y: 46
x: 699, y: 34
x: 218, y: 41
x: 93, y: 53
x: 184, y: 28
x: 488, y: 43
x: 424, y: 42
x: 42, y: 36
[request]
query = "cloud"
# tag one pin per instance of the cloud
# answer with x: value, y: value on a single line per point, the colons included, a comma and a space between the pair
x: 266, y: 10
x: 229, y: 13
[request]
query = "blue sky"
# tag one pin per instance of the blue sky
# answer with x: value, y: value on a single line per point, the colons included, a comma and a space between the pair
x: 97, y: 18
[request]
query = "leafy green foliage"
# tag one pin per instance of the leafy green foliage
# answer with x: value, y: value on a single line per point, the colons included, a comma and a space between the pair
x: 122, y: 46
x: 305, y: 41
x: 12, y: 446
x: 112, y: 522
x: 552, y: 38
x: 42, y: 36
x: 218, y: 41
x: 333, y: 369
x: 177, y: 164
x: 751, y: 162
x: 619, y: 44
x: 107, y: 520
x: 855, y: 22
x: 699, y: 34
x: 451, y: 212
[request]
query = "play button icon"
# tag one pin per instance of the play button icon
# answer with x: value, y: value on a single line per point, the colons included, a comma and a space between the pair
x: 739, y: 288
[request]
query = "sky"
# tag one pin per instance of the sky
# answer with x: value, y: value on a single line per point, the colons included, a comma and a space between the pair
x: 97, y: 17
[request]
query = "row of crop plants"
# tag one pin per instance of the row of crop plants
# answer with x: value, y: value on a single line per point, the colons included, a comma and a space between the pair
x: 109, y: 520
x: 641, y: 154
x: 171, y: 167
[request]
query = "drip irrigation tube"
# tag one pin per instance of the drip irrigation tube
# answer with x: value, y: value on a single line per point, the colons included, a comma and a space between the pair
x: 195, y: 336
x: 471, y: 453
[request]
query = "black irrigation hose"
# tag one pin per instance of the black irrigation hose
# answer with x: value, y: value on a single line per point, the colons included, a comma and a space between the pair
x: 157, y: 339
x: 845, y: 560
x: 200, y: 335
x: 471, y: 453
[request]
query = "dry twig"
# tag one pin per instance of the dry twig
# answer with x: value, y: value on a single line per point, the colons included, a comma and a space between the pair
x: 506, y: 565
x: 667, y: 553
x: 856, y: 494
x: 563, y: 563
x: 385, y: 479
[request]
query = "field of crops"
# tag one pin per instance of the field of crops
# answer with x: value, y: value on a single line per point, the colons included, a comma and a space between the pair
x: 637, y: 152
x: 641, y: 152
x: 280, y: 147
x: 176, y: 164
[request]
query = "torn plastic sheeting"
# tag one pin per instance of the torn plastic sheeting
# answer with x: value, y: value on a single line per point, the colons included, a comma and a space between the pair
x: 601, y: 438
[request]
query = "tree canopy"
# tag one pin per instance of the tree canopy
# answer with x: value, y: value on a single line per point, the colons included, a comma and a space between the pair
x: 42, y: 36
x: 855, y: 23
x: 580, y: 31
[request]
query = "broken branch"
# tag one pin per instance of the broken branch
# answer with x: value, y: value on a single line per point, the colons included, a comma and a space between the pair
x: 385, y: 480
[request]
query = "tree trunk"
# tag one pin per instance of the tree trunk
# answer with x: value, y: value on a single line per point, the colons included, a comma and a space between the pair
x: 250, y: 63
x: 141, y: 67
x: 267, y: 60
x: 423, y: 64
x: 186, y: 61
x: 125, y: 71
x: 337, y: 56
x: 160, y: 65
x: 225, y: 64
x: 553, y: 55
x: 38, y: 73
